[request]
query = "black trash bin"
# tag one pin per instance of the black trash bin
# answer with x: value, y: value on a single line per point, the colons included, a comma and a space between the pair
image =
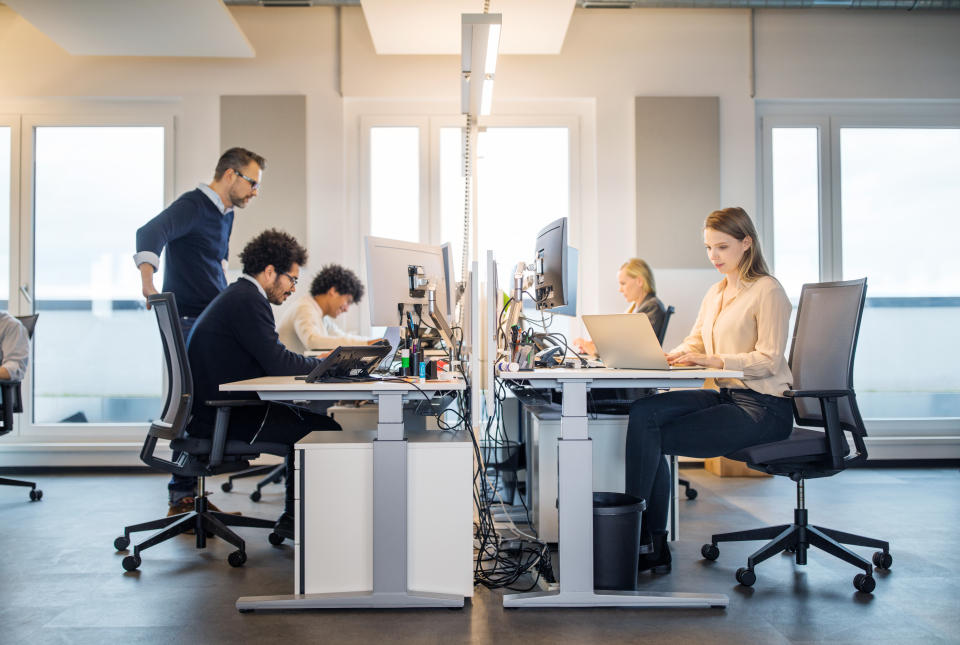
x: 616, y: 540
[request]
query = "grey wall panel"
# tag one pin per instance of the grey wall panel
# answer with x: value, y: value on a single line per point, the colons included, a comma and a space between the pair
x: 276, y: 128
x: 678, y: 177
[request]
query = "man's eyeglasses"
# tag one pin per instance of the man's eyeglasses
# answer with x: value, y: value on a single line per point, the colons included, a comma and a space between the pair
x: 292, y: 279
x: 254, y: 184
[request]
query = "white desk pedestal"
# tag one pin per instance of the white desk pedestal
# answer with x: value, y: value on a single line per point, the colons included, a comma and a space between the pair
x: 389, y: 518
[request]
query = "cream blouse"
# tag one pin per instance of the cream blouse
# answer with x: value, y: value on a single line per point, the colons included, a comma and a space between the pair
x: 749, y: 334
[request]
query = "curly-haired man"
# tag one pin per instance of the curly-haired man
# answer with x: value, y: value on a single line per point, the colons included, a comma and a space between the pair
x: 234, y: 339
x: 309, y: 324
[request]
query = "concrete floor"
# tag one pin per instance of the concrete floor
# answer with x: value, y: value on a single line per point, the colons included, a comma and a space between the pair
x: 61, y: 580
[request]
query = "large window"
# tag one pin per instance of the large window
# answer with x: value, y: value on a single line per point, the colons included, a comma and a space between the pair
x: 99, y: 359
x: 416, y: 190
x: 850, y: 197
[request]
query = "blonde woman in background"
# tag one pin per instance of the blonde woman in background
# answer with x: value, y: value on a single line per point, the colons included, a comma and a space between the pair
x: 639, y: 289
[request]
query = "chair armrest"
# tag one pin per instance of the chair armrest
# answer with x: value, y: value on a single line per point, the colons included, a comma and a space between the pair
x: 816, y: 393
x: 235, y: 403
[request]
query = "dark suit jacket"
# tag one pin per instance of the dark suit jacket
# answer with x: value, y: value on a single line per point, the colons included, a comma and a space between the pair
x: 235, y: 339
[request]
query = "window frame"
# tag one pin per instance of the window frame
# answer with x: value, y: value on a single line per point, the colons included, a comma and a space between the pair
x: 109, y: 436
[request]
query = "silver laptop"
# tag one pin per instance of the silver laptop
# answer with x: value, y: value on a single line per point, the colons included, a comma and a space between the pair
x: 627, y: 341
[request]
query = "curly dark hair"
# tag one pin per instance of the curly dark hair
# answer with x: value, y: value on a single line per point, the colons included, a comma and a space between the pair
x: 237, y: 158
x: 340, y: 278
x: 272, y: 247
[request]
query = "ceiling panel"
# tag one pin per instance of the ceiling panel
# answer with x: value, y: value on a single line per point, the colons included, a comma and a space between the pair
x: 137, y: 27
x: 433, y: 26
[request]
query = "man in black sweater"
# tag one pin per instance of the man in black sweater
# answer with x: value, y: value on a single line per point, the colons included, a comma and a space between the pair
x: 235, y: 339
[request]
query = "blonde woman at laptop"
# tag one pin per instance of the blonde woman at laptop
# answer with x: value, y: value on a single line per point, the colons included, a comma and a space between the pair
x: 742, y: 325
x: 640, y: 290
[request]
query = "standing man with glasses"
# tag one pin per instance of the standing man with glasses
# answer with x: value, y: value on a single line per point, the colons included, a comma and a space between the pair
x: 195, y: 231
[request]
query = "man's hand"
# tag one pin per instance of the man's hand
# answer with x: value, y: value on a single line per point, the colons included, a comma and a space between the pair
x: 146, y: 277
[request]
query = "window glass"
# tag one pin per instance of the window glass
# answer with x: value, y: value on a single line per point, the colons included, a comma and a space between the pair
x: 395, y: 183
x: 97, y: 350
x: 796, y: 210
x: 900, y: 226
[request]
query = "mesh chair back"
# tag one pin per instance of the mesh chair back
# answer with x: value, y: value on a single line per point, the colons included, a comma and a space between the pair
x: 823, y: 348
x: 176, y: 409
x: 30, y: 322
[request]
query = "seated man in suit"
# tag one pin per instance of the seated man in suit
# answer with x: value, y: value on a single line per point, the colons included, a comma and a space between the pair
x: 14, y: 348
x: 235, y: 339
x: 309, y: 324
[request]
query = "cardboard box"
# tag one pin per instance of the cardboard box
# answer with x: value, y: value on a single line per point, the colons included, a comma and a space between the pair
x: 723, y: 467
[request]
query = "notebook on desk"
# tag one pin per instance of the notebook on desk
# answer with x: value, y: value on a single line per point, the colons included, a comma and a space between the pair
x: 627, y: 341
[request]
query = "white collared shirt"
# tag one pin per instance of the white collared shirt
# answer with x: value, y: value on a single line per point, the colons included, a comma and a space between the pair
x: 263, y: 292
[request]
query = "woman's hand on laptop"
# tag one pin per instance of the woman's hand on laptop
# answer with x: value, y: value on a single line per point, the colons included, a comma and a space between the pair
x: 584, y: 346
x: 694, y: 358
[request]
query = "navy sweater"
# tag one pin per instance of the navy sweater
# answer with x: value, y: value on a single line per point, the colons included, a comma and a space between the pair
x: 196, y: 236
x: 235, y: 339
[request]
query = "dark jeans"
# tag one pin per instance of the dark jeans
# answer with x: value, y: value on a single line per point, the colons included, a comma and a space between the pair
x: 694, y: 423
x: 179, y: 485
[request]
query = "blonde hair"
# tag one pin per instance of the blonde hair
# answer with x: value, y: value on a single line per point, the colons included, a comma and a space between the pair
x: 637, y: 268
x: 735, y: 222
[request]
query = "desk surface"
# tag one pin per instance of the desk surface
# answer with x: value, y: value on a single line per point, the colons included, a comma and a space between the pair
x: 596, y: 373
x: 292, y: 384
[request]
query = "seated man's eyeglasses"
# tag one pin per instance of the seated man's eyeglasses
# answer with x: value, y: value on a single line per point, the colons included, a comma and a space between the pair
x: 292, y: 279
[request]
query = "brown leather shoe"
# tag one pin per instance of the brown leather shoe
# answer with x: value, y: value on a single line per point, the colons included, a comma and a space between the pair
x: 185, y: 505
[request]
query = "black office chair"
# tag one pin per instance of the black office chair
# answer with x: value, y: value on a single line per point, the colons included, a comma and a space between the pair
x: 194, y: 456
x: 821, y: 360
x: 12, y: 403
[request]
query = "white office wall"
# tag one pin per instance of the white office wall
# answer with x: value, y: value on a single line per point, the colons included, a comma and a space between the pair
x: 296, y: 54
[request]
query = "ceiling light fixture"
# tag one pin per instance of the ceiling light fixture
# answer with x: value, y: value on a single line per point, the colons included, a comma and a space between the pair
x: 478, y: 60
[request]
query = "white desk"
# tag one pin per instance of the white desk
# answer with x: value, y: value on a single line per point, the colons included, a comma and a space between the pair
x: 390, y: 589
x: 575, y: 487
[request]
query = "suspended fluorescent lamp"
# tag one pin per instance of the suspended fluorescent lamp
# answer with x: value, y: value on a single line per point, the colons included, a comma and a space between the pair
x: 478, y: 60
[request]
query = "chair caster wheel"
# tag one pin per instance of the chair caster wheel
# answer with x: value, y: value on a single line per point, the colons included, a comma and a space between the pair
x: 691, y: 493
x: 255, y: 495
x: 36, y: 495
x: 226, y: 487
x: 131, y: 562
x: 710, y: 551
x: 864, y: 583
x: 237, y: 558
x: 882, y: 560
x: 789, y: 550
x: 275, y: 538
x: 121, y: 543
x: 746, y: 576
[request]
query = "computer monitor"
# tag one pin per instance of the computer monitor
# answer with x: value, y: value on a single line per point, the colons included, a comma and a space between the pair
x: 388, y: 278
x: 450, y: 275
x: 555, y: 262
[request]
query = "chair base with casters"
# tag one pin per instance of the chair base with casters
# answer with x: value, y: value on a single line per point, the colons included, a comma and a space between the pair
x: 35, y: 493
x: 688, y: 490
x: 797, y: 538
x: 274, y: 475
x: 204, y: 522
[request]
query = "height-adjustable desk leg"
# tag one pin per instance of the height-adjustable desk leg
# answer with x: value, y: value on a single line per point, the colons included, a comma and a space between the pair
x: 575, y: 488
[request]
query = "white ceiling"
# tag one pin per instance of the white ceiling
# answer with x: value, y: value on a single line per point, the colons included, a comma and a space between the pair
x: 137, y: 27
x: 433, y: 26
